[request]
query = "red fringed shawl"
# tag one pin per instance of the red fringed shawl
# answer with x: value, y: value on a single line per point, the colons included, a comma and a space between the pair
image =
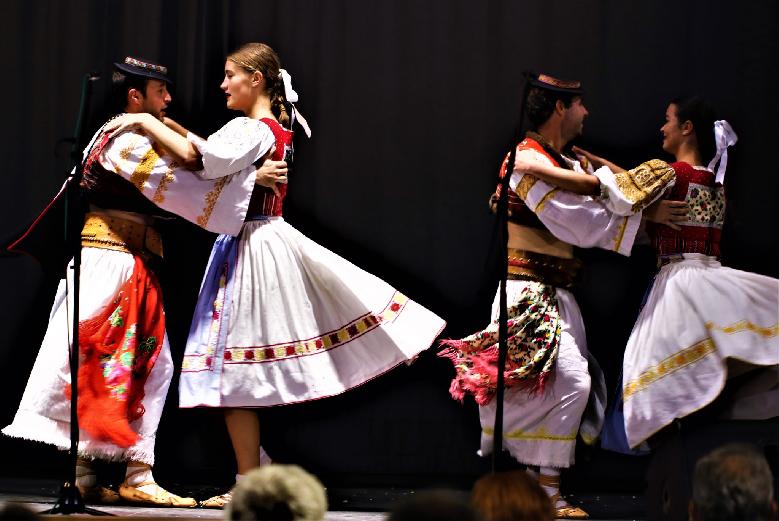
x: 534, y: 329
x: 118, y: 349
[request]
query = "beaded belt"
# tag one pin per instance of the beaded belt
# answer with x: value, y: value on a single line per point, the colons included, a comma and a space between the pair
x: 555, y: 271
x: 259, y: 217
x: 256, y: 217
x: 662, y: 260
x: 114, y: 233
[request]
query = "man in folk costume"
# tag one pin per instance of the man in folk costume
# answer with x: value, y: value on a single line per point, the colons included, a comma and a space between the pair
x: 126, y: 365
x: 547, y: 379
x: 686, y: 346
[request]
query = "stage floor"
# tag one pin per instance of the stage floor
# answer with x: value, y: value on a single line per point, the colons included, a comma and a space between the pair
x: 346, y: 505
x: 43, y: 503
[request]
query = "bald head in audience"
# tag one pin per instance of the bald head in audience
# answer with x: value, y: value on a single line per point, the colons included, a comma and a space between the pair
x: 733, y: 483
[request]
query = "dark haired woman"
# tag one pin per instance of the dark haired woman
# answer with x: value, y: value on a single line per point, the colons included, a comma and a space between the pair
x: 702, y: 323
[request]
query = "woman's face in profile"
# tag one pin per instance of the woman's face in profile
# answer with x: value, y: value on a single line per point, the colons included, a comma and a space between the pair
x: 671, y: 130
x: 238, y: 86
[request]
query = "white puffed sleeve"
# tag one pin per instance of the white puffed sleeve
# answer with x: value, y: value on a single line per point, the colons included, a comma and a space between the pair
x: 235, y: 146
x: 580, y: 220
x: 218, y: 205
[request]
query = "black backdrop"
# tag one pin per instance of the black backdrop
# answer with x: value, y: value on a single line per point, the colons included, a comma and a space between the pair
x: 412, y: 105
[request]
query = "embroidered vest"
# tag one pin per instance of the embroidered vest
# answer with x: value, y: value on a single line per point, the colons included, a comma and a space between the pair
x: 702, y: 230
x: 109, y: 190
x: 519, y: 213
x: 264, y: 201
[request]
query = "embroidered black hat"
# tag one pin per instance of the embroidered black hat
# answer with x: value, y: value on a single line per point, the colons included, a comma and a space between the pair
x: 143, y: 68
x: 544, y: 81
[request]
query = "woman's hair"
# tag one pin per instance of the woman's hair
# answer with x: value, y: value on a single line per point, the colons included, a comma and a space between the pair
x: 258, y: 57
x: 701, y: 115
x: 511, y: 496
x: 434, y: 505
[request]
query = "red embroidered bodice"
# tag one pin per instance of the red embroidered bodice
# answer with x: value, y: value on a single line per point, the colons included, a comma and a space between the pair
x: 519, y: 213
x: 702, y: 230
x: 263, y: 200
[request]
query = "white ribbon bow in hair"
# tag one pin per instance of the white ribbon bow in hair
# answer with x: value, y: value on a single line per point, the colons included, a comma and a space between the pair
x: 292, y: 97
x: 724, y: 137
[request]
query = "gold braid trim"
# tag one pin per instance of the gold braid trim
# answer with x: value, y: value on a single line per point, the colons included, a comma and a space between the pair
x: 167, y: 178
x: 745, y: 325
x: 144, y: 168
x: 669, y: 365
x: 524, y: 186
x: 550, y: 194
x: 211, y: 198
x: 541, y: 434
x: 621, y: 234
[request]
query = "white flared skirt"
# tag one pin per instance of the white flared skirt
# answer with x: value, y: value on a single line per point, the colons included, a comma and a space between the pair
x: 698, y: 315
x: 281, y: 319
x: 44, y: 412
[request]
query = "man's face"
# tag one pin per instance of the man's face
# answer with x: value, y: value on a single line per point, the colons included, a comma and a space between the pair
x: 573, y: 119
x: 156, y: 98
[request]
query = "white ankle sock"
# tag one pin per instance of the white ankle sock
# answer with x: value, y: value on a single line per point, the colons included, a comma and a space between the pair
x: 85, y: 475
x: 264, y: 457
x: 137, y: 474
x: 552, y: 490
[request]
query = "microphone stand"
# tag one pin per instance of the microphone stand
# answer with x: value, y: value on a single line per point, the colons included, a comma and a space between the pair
x: 503, y: 237
x: 70, y: 500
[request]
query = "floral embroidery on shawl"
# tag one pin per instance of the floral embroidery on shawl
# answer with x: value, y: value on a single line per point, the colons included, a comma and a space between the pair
x: 119, y: 347
x: 534, y: 329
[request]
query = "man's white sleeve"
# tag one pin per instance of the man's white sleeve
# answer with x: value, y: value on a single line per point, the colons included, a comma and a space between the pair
x: 580, y: 220
x: 218, y: 205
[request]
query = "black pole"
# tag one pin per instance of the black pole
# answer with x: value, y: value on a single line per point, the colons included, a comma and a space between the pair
x: 73, y: 205
x: 70, y: 500
x: 503, y: 220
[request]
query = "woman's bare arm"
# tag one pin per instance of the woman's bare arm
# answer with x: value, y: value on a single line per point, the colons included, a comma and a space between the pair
x: 598, y: 161
x: 169, y: 138
x: 568, y: 180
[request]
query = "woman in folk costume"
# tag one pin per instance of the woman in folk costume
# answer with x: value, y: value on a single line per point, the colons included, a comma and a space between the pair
x: 549, y: 374
x: 280, y: 319
x: 702, y: 323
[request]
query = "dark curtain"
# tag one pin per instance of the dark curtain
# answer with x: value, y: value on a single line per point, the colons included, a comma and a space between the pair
x: 413, y: 105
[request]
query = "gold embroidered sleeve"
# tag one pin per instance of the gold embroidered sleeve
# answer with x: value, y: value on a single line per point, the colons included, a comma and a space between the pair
x: 549, y: 195
x: 162, y: 187
x: 641, y: 185
x: 524, y: 186
x: 211, y: 198
x: 143, y: 170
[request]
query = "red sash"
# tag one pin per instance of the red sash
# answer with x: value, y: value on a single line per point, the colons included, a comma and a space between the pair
x: 118, y: 349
